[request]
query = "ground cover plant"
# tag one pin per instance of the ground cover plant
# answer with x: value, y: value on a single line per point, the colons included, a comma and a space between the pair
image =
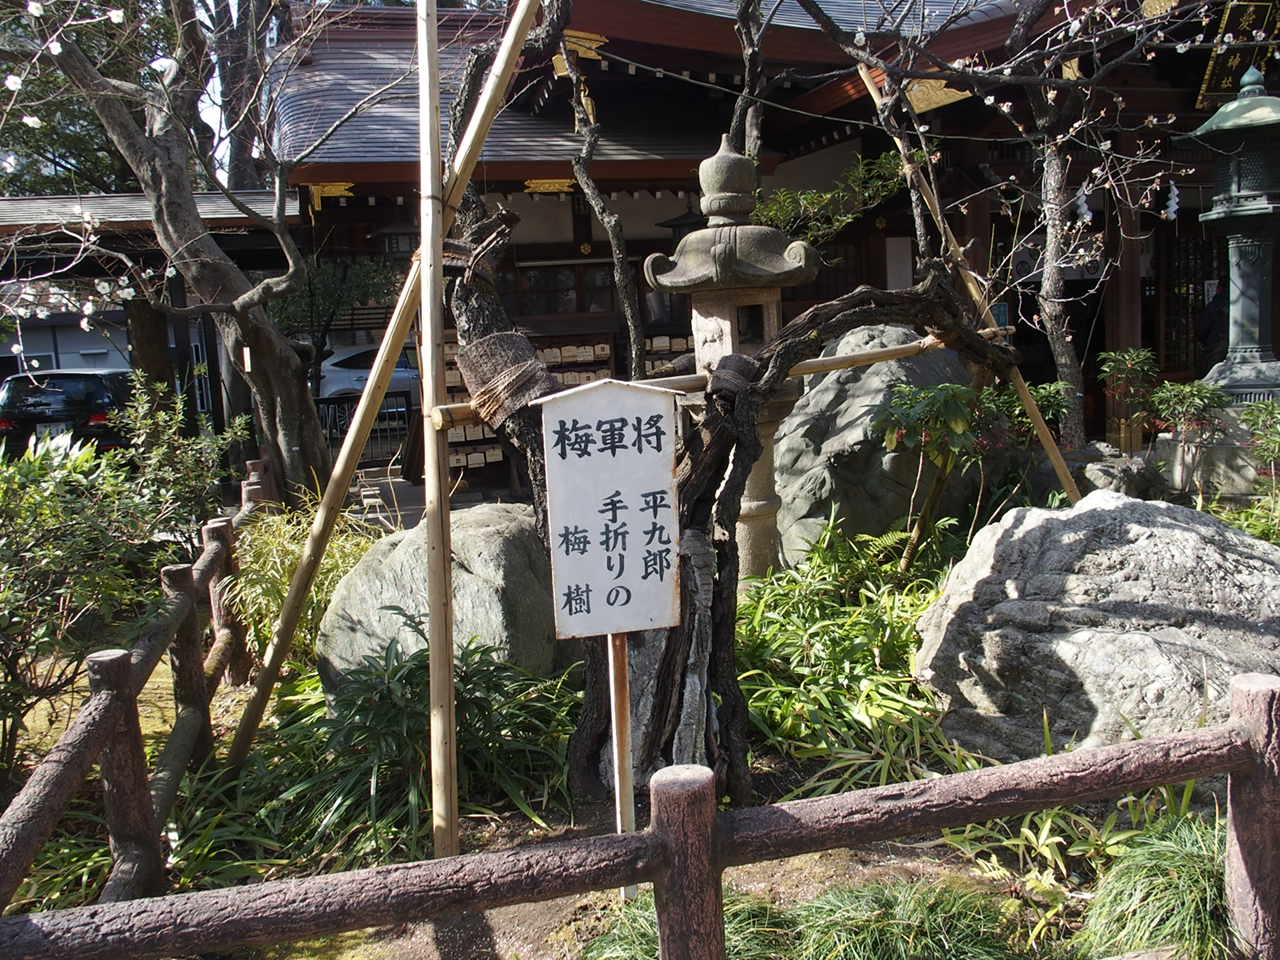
x: 896, y: 919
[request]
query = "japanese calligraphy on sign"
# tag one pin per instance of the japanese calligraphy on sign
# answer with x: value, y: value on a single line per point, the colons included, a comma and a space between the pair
x: 1247, y: 20
x: 611, y: 507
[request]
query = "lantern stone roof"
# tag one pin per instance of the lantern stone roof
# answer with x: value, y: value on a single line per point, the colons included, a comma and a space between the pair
x: 1250, y: 110
x: 731, y: 253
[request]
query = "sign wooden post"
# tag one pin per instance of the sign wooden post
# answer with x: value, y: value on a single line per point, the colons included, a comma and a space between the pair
x: 614, y: 526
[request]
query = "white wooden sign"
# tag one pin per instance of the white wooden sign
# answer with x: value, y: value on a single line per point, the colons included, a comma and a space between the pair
x: 611, y: 507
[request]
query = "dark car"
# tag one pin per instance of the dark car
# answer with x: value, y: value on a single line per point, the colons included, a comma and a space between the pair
x: 49, y: 402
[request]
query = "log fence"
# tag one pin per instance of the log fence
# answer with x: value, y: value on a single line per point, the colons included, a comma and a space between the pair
x: 107, y: 729
x: 688, y: 844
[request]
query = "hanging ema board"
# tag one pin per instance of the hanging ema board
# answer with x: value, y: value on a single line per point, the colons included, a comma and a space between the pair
x: 611, y: 507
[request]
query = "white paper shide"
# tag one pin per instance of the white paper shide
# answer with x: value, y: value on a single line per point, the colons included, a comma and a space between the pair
x: 611, y: 507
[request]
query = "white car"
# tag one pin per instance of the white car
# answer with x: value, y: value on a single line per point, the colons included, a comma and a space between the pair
x: 345, y: 372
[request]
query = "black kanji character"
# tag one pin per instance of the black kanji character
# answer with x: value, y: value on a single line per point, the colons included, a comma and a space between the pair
x: 613, y: 536
x: 577, y: 438
x: 656, y: 563
x: 654, y: 501
x: 613, y: 505
x: 577, y: 599
x: 613, y: 435
x: 648, y: 431
x: 574, y: 540
x: 656, y: 532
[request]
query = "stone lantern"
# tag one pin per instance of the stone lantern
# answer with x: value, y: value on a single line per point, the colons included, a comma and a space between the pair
x: 1246, y: 201
x: 735, y: 271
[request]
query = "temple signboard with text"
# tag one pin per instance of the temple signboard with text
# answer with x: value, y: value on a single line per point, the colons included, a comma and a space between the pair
x: 612, y: 517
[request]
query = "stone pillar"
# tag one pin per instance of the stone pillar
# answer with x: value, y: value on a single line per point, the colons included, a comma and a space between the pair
x: 718, y: 332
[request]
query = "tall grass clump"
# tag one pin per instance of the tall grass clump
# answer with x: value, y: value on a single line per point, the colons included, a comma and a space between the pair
x: 269, y: 549
x: 904, y: 920
x: 1166, y: 890
x: 753, y: 930
x: 348, y: 783
x: 826, y: 652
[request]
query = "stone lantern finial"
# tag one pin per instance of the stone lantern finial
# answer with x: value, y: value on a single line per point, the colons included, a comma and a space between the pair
x: 731, y: 253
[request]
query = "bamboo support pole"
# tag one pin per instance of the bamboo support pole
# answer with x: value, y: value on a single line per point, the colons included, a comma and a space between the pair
x: 435, y: 474
x: 371, y: 399
x: 975, y: 290
x: 624, y: 798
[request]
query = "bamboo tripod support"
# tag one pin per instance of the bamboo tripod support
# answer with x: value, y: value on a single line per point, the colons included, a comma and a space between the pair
x: 976, y: 292
x: 366, y: 413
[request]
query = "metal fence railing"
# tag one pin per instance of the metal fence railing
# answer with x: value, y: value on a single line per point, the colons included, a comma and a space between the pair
x: 390, y: 429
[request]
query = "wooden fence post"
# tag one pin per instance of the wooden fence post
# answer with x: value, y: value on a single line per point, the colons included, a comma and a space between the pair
x: 251, y: 492
x: 222, y: 614
x: 186, y: 656
x: 138, y: 863
x: 1253, y: 821
x: 688, y: 895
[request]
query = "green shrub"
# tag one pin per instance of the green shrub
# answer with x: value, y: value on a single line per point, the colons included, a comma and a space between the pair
x: 77, y: 566
x: 753, y: 930
x: 179, y: 476
x: 904, y: 920
x: 269, y: 550
x: 354, y: 788
x: 825, y: 655
x: 1165, y: 890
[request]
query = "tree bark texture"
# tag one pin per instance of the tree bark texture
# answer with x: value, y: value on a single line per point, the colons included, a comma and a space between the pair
x: 1054, y: 320
x: 161, y: 156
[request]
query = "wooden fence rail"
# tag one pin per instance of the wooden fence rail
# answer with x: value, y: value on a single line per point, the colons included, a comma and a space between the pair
x: 687, y: 846
x: 107, y: 729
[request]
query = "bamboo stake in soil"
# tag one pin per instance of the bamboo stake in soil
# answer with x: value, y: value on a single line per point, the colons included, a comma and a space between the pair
x: 624, y: 798
x: 375, y: 390
x: 975, y: 291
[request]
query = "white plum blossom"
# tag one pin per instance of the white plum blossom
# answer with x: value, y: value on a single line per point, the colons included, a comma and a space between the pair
x: 988, y: 100
x: 860, y: 39
x: 35, y: 8
x: 15, y: 349
x: 116, y: 15
x: 85, y: 325
x: 88, y: 309
x: 9, y: 163
x: 1183, y: 47
x: 13, y: 82
x: 128, y: 293
x: 171, y: 272
x: 104, y: 286
x: 33, y: 363
x: 35, y: 123
x: 54, y: 47
x: 42, y: 312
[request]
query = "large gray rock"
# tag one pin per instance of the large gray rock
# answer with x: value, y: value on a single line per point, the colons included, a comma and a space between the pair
x: 501, y: 595
x: 1097, y: 466
x: 1119, y: 617
x: 827, y: 456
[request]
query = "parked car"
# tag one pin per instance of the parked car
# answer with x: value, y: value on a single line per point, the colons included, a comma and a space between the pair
x: 48, y: 402
x: 345, y: 372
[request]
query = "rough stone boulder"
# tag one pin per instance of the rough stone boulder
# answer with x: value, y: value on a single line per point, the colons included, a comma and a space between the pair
x: 1119, y: 617
x: 827, y: 455
x: 501, y: 595
x: 1098, y: 466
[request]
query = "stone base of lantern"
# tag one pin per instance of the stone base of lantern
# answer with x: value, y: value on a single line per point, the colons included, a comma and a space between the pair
x: 759, y: 544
